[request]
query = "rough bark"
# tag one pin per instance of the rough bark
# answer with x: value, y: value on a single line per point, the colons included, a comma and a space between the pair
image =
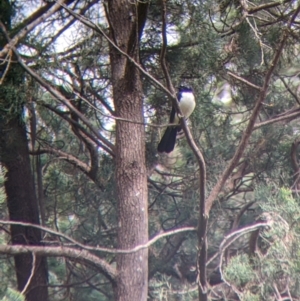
x: 126, y: 20
x: 19, y: 186
x: 22, y: 206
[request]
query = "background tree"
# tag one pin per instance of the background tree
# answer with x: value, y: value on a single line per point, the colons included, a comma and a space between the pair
x: 19, y: 186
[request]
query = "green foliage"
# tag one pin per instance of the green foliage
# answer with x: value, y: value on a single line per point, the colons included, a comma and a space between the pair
x: 6, y: 12
x: 239, y: 271
x: 13, y: 295
x: 248, y: 296
x: 276, y: 261
x: 12, y: 94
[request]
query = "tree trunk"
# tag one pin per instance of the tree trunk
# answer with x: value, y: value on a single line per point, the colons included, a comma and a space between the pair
x: 22, y: 206
x: 127, y: 19
x: 19, y: 186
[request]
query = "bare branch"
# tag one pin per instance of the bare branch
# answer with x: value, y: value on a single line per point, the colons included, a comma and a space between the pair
x: 8, y: 60
x: 164, y: 50
x: 85, y: 168
x: 31, y: 274
x: 287, y: 115
x: 101, y: 249
x: 59, y: 96
x: 69, y: 24
x: 62, y: 155
x: 118, y: 118
x: 289, y: 89
x: 82, y: 255
x: 229, y: 239
x: 98, y: 29
x: 243, y: 80
x: 64, y: 100
x: 266, y: 6
x: 240, y: 214
x: 79, y: 126
x: 36, y: 21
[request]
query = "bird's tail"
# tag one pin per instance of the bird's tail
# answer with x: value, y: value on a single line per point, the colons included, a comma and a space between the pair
x: 168, y: 140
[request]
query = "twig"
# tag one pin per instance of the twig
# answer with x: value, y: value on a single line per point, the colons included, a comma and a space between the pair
x: 228, y: 240
x: 77, y: 163
x: 261, y: 44
x: 82, y: 255
x: 122, y: 119
x: 57, y: 94
x: 101, y: 249
x: 292, y: 115
x: 289, y: 90
x: 97, y: 28
x: 266, y: 6
x: 31, y: 274
x: 22, y: 33
x: 8, y: 60
x: 244, y: 81
x: 78, y: 126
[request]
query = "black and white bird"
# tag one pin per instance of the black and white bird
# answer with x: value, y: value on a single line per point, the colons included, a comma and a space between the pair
x: 187, y: 105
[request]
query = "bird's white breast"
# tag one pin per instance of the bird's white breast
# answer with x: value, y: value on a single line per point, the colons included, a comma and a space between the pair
x: 187, y: 104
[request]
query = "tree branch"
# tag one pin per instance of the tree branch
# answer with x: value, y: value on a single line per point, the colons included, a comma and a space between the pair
x: 266, y: 6
x: 82, y: 255
x: 59, y: 96
x: 63, y: 115
x: 289, y: 89
x: 287, y: 115
x: 31, y: 274
x: 244, y: 80
x: 39, y: 16
x: 85, y: 168
x: 101, y: 249
x: 98, y: 29
x: 232, y: 237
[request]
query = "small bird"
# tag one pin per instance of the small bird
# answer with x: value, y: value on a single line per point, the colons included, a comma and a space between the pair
x: 187, y: 105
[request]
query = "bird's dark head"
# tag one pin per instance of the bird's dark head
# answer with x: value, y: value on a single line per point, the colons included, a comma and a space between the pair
x: 182, y: 88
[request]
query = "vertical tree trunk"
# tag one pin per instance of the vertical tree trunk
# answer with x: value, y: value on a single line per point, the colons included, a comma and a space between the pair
x: 22, y: 206
x: 127, y: 19
x: 19, y: 186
